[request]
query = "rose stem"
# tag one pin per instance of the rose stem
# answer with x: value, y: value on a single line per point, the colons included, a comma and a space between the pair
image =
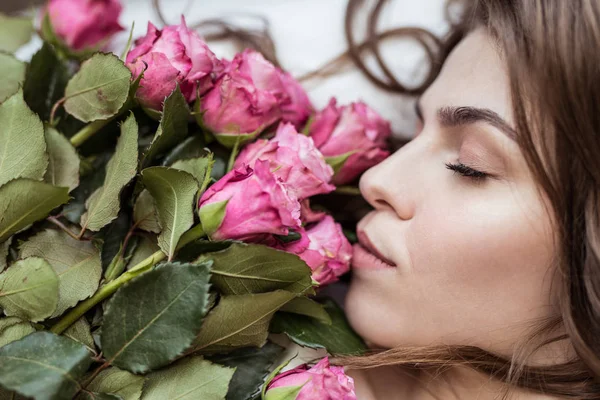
x: 88, y: 131
x: 233, y: 155
x: 111, y: 287
x: 62, y: 226
x: 349, y: 190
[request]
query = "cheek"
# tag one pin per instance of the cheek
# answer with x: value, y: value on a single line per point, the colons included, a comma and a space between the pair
x: 477, y: 243
x: 487, y: 264
x: 479, y: 271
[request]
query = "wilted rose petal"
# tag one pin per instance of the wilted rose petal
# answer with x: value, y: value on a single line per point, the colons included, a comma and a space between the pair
x: 354, y: 132
x: 84, y: 24
x: 328, y: 253
x: 258, y: 204
x: 175, y: 55
x: 245, y: 99
x: 293, y: 158
x: 321, y: 382
x: 298, y: 108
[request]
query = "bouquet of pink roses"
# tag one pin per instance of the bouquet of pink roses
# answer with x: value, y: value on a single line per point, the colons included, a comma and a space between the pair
x: 162, y: 213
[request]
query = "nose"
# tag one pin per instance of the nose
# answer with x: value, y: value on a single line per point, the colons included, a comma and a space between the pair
x: 395, y: 184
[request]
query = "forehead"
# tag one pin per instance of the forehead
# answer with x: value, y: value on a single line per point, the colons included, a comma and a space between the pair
x: 475, y: 75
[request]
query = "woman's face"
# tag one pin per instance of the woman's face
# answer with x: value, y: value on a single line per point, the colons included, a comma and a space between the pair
x: 471, y: 256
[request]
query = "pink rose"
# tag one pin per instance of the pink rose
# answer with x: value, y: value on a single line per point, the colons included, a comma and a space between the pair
x: 307, y: 214
x: 249, y: 204
x: 293, y: 158
x: 84, y: 24
x: 174, y: 55
x: 321, y: 382
x: 245, y: 99
x: 353, y: 137
x: 327, y: 251
x: 298, y: 108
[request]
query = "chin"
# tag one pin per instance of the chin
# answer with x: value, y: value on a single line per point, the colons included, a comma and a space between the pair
x: 365, y: 314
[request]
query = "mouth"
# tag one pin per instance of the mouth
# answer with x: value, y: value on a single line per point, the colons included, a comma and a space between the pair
x: 366, y: 255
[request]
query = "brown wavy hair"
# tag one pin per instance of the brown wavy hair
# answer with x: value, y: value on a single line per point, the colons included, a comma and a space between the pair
x: 552, y: 51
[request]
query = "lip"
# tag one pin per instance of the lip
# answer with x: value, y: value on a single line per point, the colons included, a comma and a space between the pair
x: 364, y: 259
x: 366, y: 243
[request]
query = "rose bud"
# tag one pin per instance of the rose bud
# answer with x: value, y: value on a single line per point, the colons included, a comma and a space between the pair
x: 298, y: 108
x: 248, y: 204
x: 84, y: 24
x: 352, y: 138
x: 321, y: 382
x: 293, y: 158
x: 328, y: 253
x: 169, y: 57
x: 245, y: 100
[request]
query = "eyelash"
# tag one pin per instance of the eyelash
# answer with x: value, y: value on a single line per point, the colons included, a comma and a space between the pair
x: 466, y: 171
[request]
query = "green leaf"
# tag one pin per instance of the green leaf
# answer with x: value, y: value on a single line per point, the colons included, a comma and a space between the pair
x: 251, y: 365
x: 63, y: 162
x: 14, y: 32
x: 4, y: 248
x: 99, y: 89
x: 29, y: 290
x: 10, y: 395
x: 12, y: 329
x: 24, y: 201
x: 197, y: 167
x: 283, y: 393
x: 229, y: 140
x: 129, y: 41
x: 80, y: 331
x: 22, y: 144
x: 189, y: 379
x: 113, y: 236
x: 45, y: 82
x: 75, y: 262
x: 155, y: 317
x: 12, y: 75
x: 272, y: 375
x: 191, y: 147
x: 122, y: 383
x: 252, y: 268
x: 193, y: 250
x: 338, y: 162
x: 173, y: 126
x: 87, y: 395
x: 43, y: 366
x: 92, y: 178
x: 212, y: 215
x: 145, y: 213
x: 146, y: 247
x: 103, y: 204
x: 174, y: 192
x: 308, y: 307
x: 239, y: 321
x: 338, y: 338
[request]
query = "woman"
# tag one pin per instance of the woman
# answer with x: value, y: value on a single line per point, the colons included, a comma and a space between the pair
x: 479, y: 267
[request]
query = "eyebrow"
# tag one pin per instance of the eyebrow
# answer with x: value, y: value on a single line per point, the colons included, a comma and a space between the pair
x: 459, y: 116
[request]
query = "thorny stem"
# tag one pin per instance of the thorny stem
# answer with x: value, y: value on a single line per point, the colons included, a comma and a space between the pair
x: 63, y: 227
x: 111, y: 287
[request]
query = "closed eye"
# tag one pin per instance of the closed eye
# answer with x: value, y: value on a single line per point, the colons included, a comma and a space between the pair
x: 467, y: 171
